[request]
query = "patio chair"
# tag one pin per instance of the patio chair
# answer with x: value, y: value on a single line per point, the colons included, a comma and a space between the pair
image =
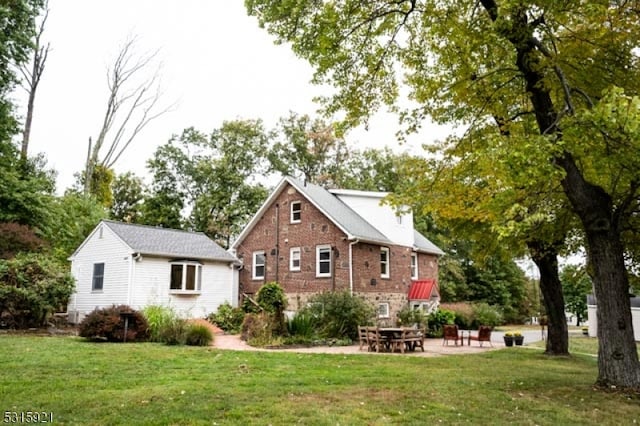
x: 375, y: 342
x: 450, y: 332
x: 362, y: 336
x: 484, y: 335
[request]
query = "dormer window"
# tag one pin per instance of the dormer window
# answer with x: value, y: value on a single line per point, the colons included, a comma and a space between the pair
x: 296, y: 211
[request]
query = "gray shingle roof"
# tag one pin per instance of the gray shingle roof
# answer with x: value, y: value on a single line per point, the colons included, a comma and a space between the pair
x: 341, y: 214
x: 151, y: 240
x: 422, y: 243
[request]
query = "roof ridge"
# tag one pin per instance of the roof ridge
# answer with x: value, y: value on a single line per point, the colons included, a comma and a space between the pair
x: 160, y: 228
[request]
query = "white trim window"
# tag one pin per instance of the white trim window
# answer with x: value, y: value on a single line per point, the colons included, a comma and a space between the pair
x: 323, y: 261
x: 97, y: 280
x: 383, y: 310
x: 259, y: 265
x: 414, y: 265
x: 296, y: 211
x: 294, y: 259
x: 385, y: 265
x: 186, y: 276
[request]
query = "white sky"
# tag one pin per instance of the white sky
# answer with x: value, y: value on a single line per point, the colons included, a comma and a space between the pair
x: 216, y: 62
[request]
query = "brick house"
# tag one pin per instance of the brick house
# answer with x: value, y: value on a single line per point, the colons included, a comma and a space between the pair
x: 310, y: 239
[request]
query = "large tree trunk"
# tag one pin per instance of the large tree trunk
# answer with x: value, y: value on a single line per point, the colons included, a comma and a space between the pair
x: 618, y: 363
x: 618, y: 360
x: 546, y: 258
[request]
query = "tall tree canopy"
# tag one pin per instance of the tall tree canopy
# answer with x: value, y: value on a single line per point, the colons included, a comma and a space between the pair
x: 566, y: 70
x: 17, y: 28
x: 214, y: 176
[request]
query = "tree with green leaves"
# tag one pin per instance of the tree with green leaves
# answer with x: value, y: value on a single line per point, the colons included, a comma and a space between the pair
x: 166, y: 199
x: 548, y: 67
x: 128, y: 196
x: 73, y: 217
x: 576, y: 285
x: 213, y: 176
x: 307, y: 149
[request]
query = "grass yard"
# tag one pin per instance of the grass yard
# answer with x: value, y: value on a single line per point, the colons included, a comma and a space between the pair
x: 89, y: 383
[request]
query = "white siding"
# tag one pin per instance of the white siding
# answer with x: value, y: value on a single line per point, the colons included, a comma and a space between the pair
x: 149, y: 278
x: 382, y: 217
x: 151, y: 287
x: 592, y: 315
x: 100, y: 247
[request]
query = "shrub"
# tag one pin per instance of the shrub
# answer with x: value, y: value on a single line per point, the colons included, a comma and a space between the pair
x: 198, y: 335
x: 18, y: 238
x: 257, y: 329
x: 437, y: 319
x: 174, y: 332
x: 301, y: 326
x: 158, y: 317
x: 463, y: 311
x: 228, y: 318
x: 487, y: 315
x: 32, y: 288
x: 409, y: 316
x: 108, y: 324
x: 338, y: 314
x: 272, y: 298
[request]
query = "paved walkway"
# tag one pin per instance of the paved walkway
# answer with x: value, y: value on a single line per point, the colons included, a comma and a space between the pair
x: 432, y: 347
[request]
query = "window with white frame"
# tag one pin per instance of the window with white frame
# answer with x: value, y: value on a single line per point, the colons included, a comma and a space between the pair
x: 414, y: 266
x: 97, y: 281
x: 259, y: 263
x: 384, y: 262
x: 296, y: 211
x: 383, y: 310
x: 294, y: 259
x: 323, y: 261
x: 186, y: 276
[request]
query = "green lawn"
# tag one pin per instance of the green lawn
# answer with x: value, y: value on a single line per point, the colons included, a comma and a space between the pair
x: 89, y: 383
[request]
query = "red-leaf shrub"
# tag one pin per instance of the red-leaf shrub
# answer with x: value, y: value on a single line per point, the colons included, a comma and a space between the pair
x: 15, y: 238
x: 108, y: 324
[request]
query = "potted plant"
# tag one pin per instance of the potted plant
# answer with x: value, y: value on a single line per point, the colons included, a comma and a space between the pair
x: 518, y: 338
x: 508, y: 339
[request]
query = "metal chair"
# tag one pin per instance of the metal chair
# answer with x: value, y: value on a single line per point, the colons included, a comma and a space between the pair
x: 451, y: 332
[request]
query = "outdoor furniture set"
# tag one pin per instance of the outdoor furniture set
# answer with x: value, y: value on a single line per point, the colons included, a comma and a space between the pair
x: 391, y: 339
x: 452, y: 332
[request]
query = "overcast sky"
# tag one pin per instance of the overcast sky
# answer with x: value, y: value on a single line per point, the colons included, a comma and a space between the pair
x: 215, y: 62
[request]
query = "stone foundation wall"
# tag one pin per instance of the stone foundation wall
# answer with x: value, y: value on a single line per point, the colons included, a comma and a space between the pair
x: 396, y: 301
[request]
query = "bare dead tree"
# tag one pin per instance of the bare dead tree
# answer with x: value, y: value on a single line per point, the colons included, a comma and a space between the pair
x: 132, y: 104
x: 31, y: 74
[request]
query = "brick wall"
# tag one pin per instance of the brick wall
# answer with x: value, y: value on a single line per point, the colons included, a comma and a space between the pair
x: 316, y: 229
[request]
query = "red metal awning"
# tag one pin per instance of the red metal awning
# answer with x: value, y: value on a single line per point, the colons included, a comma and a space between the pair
x: 423, y: 290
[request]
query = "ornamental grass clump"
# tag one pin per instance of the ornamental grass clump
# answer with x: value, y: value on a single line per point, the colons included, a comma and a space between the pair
x: 158, y: 317
x: 198, y: 335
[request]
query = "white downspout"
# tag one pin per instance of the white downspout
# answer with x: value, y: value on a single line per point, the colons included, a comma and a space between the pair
x: 351, y: 244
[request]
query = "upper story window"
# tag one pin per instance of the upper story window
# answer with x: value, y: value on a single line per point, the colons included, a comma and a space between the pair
x: 259, y: 262
x: 384, y: 262
x: 414, y: 266
x: 323, y: 261
x: 186, y: 276
x: 294, y: 259
x: 97, y: 282
x: 296, y: 211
